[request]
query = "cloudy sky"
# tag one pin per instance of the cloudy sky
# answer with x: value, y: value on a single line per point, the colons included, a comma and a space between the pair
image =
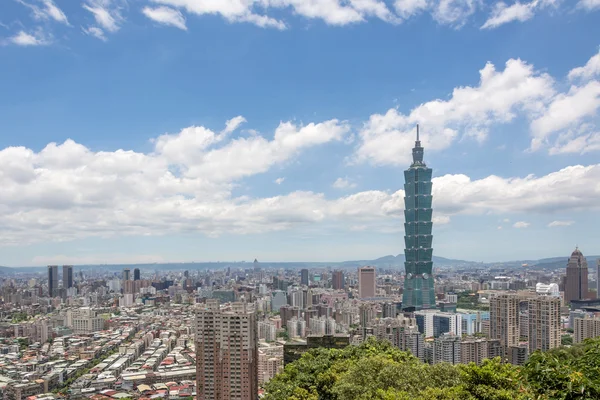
x: 201, y: 130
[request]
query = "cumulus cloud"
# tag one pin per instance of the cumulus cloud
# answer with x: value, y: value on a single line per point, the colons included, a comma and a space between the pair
x: 500, y: 95
x: 555, y: 224
x: 343, y: 184
x: 166, y: 16
x: 521, y: 225
x: 67, y: 191
x: 279, y: 181
x: 588, y: 71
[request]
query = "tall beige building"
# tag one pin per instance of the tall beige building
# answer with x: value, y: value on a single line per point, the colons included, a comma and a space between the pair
x: 544, y: 323
x: 504, y: 319
x: 576, y: 287
x: 586, y: 328
x: 226, y: 352
x: 366, y: 282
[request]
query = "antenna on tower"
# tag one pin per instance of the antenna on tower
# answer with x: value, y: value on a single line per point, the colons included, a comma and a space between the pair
x: 417, y: 132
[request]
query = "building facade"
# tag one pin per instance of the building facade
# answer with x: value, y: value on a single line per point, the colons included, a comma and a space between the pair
x: 366, y: 282
x: 52, y: 280
x: 544, y: 323
x: 576, y: 287
x: 418, y: 282
x: 226, y: 352
x: 585, y: 328
x: 337, y: 280
x: 504, y: 319
x: 67, y: 277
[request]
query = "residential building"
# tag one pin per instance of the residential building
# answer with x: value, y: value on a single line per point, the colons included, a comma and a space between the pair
x: 226, y: 352
x: 544, y: 323
x: 504, y: 319
x: 586, y: 328
x: 447, y: 349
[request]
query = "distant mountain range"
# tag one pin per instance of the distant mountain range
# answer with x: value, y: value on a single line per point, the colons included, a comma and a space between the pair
x: 390, y: 261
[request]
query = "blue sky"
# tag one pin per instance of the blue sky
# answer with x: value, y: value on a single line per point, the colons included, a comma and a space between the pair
x: 199, y: 130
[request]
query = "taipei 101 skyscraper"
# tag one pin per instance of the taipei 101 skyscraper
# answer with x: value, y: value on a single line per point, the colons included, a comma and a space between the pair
x: 418, y: 291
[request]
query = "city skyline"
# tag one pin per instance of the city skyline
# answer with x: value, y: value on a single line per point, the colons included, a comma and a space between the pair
x: 139, y: 138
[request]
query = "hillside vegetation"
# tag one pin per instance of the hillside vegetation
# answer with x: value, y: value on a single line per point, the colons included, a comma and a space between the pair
x: 377, y: 371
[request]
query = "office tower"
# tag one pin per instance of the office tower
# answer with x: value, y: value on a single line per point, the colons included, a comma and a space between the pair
x: 67, y: 277
x: 576, y: 287
x: 418, y: 282
x: 389, y: 310
x: 279, y: 300
x: 304, y: 277
x: 52, y: 280
x: 126, y: 274
x: 447, y: 323
x: 226, y: 352
x: 338, y: 280
x: 366, y: 282
x: 447, y: 349
x: 544, y: 323
x: 504, y: 319
x: 586, y: 328
x: 137, y: 275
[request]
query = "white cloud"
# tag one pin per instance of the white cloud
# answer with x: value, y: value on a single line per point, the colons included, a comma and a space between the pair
x: 343, y: 184
x: 409, y: 8
x: 233, y: 124
x: 589, y: 4
x: 67, y: 191
x: 166, y: 16
x: 47, y: 10
x: 521, y: 225
x: 23, y: 38
x: 567, y: 110
x: 555, y: 224
x: 107, y: 14
x: 589, y: 70
x: 388, y: 138
x: 454, y: 12
x: 95, y: 32
x: 503, y: 14
x: 279, y: 181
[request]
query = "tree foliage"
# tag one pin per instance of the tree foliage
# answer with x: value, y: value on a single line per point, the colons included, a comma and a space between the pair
x: 376, y: 370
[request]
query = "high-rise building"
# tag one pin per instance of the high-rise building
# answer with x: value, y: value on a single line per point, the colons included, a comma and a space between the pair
x: 226, y: 352
x: 447, y: 349
x: 126, y: 274
x: 504, y: 319
x: 67, y: 276
x: 52, y: 280
x: 586, y: 328
x: 366, y: 282
x: 304, y: 277
x: 576, y: 287
x: 338, y: 280
x: 473, y: 350
x: 418, y: 282
x: 136, y: 274
x: 544, y: 323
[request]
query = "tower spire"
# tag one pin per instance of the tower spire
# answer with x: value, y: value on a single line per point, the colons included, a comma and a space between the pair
x: 417, y: 132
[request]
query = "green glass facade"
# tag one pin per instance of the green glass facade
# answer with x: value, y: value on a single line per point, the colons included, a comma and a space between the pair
x: 418, y: 291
